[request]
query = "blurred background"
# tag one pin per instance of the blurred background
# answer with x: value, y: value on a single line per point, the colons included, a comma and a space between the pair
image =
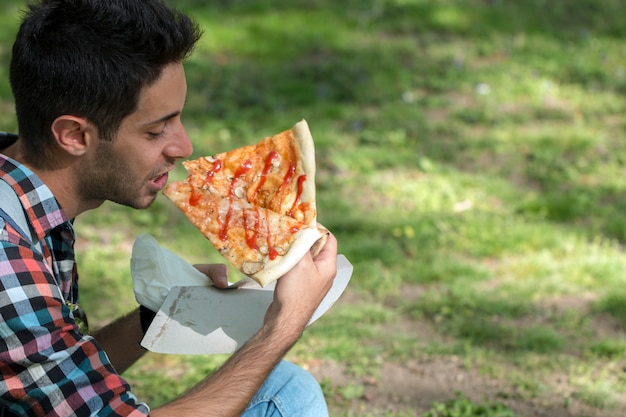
x: 471, y: 162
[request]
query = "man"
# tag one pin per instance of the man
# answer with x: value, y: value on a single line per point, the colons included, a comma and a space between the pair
x: 99, y: 89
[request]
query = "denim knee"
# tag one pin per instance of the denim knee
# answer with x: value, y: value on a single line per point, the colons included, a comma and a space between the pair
x: 288, y: 391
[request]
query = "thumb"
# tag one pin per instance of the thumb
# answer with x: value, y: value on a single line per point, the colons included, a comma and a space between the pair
x: 218, y: 273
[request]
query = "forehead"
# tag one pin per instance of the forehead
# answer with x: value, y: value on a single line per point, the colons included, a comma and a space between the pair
x: 163, y: 98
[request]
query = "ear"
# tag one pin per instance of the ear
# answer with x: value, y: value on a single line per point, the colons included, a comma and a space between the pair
x: 73, y: 134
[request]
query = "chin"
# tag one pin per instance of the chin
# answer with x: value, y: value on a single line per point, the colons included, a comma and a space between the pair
x: 138, y: 203
x: 144, y: 203
x: 151, y: 199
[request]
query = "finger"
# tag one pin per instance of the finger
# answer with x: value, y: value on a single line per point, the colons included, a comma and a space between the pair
x: 326, y: 260
x: 218, y: 273
x: 330, y: 247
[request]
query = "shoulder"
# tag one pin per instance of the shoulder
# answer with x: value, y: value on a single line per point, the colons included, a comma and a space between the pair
x: 39, y: 203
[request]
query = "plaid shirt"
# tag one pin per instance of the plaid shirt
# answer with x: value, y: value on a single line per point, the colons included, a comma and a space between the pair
x: 47, y: 367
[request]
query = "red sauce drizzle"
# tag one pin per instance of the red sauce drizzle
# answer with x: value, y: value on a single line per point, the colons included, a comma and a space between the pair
x: 269, y: 162
x: 288, y: 176
x: 286, y: 181
x: 217, y: 165
x: 245, y: 167
x: 301, y: 180
x: 251, y: 232
x: 194, y: 197
x: 272, y: 252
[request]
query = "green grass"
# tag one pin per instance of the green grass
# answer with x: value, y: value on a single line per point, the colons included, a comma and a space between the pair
x: 471, y: 162
x: 462, y: 407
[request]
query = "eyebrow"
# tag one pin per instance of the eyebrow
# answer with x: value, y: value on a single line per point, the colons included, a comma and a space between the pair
x: 163, y: 119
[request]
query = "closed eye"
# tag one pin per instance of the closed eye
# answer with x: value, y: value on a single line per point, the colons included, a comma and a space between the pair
x: 160, y: 123
x: 156, y: 135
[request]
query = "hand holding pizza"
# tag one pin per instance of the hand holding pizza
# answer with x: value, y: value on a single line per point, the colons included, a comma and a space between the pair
x: 300, y: 291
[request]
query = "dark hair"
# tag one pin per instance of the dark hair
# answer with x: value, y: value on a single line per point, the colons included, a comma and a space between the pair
x: 90, y: 58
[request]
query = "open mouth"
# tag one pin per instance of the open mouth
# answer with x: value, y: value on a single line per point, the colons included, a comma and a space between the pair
x: 160, y: 181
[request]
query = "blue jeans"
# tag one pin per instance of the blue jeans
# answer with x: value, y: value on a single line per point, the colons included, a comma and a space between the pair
x: 289, y: 391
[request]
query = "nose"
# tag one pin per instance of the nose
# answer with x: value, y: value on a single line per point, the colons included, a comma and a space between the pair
x: 180, y: 146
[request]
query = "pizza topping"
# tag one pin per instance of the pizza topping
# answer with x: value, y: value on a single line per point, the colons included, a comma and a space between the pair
x: 252, y: 229
x: 240, y: 192
x: 288, y: 178
x: 301, y: 180
x: 194, y: 197
x: 272, y: 160
x: 271, y: 251
x: 217, y: 165
x: 251, y: 232
x: 275, y: 198
x: 251, y: 268
x: 242, y: 170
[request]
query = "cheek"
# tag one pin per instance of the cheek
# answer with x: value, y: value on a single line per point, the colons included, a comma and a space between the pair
x: 139, y: 160
x: 113, y: 161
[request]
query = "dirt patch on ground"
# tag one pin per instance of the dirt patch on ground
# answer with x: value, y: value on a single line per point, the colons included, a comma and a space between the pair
x: 414, y: 386
x: 411, y: 387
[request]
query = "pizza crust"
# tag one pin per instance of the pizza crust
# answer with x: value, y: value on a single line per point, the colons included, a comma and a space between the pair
x: 306, y: 148
x: 305, y: 240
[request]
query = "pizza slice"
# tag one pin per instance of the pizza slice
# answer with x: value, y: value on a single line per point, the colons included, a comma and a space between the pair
x: 277, y: 173
x: 256, y: 204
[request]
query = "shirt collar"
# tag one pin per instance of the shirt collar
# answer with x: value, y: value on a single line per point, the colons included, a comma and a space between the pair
x: 42, y: 208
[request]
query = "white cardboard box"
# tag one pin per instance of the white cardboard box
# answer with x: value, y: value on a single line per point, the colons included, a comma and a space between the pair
x: 207, y: 320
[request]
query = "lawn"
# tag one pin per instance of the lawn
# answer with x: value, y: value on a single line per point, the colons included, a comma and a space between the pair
x: 471, y: 162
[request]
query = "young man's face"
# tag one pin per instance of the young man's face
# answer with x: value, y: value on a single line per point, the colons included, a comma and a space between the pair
x: 134, y: 167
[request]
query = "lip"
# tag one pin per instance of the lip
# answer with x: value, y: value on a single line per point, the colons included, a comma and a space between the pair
x: 159, y: 182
